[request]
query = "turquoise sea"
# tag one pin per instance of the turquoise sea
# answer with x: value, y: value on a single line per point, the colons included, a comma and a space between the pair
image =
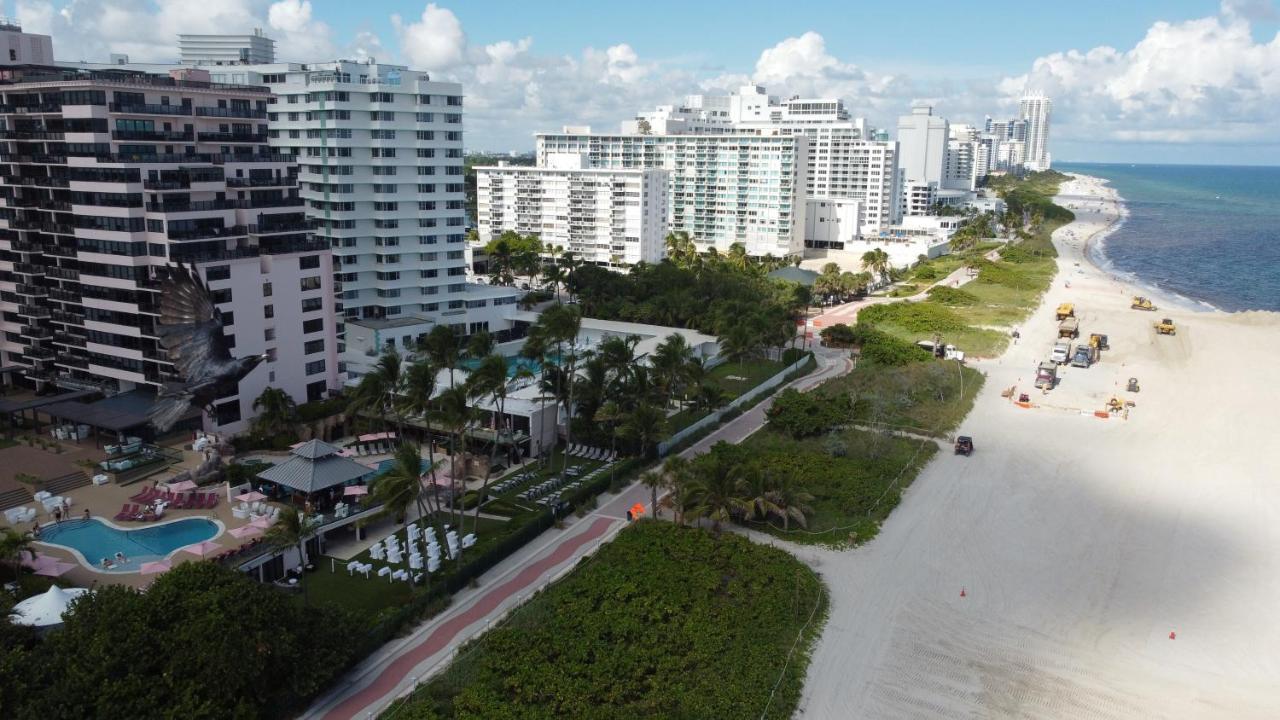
x: 1210, y: 234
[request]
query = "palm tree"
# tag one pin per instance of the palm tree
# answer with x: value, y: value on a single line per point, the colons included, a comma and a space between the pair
x: 401, y: 486
x: 678, y: 476
x: 561, y: 325
x: 480, y: 345
x: 653, y: 480
x: 791, y: 503
x: 13, y: 543
x: 609, y: 415
x: 758, y: 494
x: 490, y: 378
x: 444, y: 348
x: 669, y: 361
x: 419, y: 386
x: 380, y: 389
x: 646, y: 425
x: 275, y: 410
x: 619, y: 357
x: 292, y: 530
x: 716, y: 494
x: 876, y: 261
x: 454, y: 412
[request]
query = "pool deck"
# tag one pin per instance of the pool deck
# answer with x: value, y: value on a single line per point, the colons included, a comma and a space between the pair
x: 104, y: 501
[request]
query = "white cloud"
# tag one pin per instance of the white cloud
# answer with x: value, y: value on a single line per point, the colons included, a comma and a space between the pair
x: 435, y: 41
x: 1203, y: 80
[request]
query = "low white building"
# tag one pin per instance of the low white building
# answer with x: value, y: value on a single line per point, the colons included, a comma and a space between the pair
x: 613, y: 217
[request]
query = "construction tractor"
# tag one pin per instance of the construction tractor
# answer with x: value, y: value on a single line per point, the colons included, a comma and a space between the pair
x: 1165, y: 327
x: 1099, y: 341
x: 1066, y: 310
x: 1115, y: 405
x: 1141, y: 303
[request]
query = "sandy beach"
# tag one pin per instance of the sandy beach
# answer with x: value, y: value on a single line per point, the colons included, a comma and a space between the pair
x: 1080, y: 543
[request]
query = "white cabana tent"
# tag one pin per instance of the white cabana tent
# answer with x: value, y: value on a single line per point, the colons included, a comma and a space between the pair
x: 47, y: 609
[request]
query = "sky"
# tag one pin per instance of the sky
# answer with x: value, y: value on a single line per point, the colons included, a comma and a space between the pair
x: 1174, y: 81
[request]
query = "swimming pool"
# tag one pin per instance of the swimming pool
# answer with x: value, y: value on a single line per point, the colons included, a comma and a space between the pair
x: 94, y: 539
x: 516, y: 363
x: 385, y: 466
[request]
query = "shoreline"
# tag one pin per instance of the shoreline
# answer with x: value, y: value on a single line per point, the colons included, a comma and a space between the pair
x: 1049, y: 573
x: 1094, y: 252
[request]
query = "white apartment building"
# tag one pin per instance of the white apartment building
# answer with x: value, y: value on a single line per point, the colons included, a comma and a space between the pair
x: 1035, y: 109
x: 252, y: 49
x: 380, y: 154
x: 609, y: 217
x: 112, y: 176
x: 725, y: 189
x: 961, y: 171
x: 847, y: 167
x: 922, y: 157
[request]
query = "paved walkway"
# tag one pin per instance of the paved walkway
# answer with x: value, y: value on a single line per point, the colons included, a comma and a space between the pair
x: 397, y: 667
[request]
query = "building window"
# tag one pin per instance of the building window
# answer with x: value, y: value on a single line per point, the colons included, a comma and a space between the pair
x: 312, y: 347
x: 266, y: 289
x: 217, y: 272
x: 228, y: 412
x: 268, y: 311
x: 309, y: 262
x: 312, y: 326
x: 310, y: 283
x: 312, y: 304
x: 315, y: 367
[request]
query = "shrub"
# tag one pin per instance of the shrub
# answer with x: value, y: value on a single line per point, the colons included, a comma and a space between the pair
x: 926, y: 272
x: 884, y: 349
x: 954, y: 297
x: 807, y: 414
x: 840, y: 335
x: 913, y: 317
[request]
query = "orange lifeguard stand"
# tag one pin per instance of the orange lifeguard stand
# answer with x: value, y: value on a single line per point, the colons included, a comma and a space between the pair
x: 636, y: 511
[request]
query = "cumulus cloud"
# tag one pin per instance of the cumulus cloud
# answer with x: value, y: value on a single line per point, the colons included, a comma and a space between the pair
x: 435, y: 41
x: 1202, y: 80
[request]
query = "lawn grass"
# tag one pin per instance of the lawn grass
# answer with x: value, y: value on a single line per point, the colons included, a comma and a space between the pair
x: 929, y: 398
x: 686, y: 417
x: 663, y: 622
x: 753, y: 372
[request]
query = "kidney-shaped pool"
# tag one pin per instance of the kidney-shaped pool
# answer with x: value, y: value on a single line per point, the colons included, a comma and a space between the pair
x: 94, y: 540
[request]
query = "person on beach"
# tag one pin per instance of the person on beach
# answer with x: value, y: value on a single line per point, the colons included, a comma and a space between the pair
x: 86, y: 513
x: 35, y: 531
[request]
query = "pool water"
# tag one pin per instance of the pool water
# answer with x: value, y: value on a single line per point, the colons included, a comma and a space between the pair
x: 515, y: 363
x: 94, y: 540
x: 385, y: 466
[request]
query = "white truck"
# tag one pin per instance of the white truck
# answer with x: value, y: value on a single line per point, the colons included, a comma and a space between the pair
x: 1061, y: 353
x: 946, y: 352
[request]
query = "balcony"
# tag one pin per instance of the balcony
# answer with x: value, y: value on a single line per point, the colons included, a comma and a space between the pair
x: 30, y: 135
x: 32, y: 290
x: 30, y: 109
x: 207, y: 233
x: 35, y: 331
x: 33, y: 311
x: 232, y: 137
x: 258, y: 182
x: 62, y: 273
x: 251, y: 113
x: 280, y: 227
x: 146, y: 109
x: 152, y: 135
x: 274, y: 202
x: 194, y: 206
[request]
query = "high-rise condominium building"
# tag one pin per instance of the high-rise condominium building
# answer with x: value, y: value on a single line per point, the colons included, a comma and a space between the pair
x: 255, y: 48
x: 846, y: 164
x: 1035, y: 109
x: 21, y: 48
x: 725, y: 189
x: 380, y: 154
x: 922, y: 155
x: 110, y: 176
x: 609, y: 217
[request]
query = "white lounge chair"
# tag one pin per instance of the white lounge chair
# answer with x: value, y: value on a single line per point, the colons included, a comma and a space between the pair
x: 384, y: 572
x: 352, y: 567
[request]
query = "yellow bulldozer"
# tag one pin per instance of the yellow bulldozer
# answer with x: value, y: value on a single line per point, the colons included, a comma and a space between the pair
x: 1066, y: 310
x: 1141, y: 303
x: 1166, y: 327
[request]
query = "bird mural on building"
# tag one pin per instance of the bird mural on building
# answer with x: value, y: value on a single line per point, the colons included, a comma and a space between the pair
x: 190, y: 331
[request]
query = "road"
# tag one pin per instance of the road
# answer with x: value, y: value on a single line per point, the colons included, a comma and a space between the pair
x: 397, y: 667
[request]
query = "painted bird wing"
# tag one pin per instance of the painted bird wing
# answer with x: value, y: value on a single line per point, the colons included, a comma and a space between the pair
x: 190, y: 326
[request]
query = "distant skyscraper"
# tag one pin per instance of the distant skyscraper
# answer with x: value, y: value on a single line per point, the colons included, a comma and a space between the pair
x: 227, y: 49
x: 1035, y: 109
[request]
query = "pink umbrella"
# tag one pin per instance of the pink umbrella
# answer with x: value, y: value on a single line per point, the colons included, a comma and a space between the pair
x: 204, y: 549
x: 251, y: 496
x: 356, y: 490
x: 183, y: 486
x: 246, y: 531
x: 152, y: 568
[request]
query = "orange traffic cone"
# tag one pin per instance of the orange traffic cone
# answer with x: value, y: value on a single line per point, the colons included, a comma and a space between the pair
x: 962, y: 592
x: 1173, y: 635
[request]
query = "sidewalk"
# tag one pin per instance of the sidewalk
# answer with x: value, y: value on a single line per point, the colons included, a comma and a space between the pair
x: 399, y: 666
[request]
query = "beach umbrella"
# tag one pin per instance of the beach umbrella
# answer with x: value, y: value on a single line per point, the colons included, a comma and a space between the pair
x: 204, y: 549
x: 152, y: 568
x: 251, y: 496
x: 183, y: 486
x: 356, y: 490
x: 47, y: 608
x: 246, y: 531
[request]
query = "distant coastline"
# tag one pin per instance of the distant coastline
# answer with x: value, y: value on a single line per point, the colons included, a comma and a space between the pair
x: 1202, y: 238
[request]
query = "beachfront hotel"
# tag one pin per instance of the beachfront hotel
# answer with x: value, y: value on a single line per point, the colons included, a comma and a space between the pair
x: 614, y: 218
x: 110, y: 176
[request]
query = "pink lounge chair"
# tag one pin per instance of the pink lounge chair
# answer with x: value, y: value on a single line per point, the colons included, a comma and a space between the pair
x: 143, y: 496
x: 127, y: 512
x: 211, y: 501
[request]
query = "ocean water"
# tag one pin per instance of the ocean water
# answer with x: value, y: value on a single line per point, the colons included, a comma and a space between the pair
x: 1207, y: 233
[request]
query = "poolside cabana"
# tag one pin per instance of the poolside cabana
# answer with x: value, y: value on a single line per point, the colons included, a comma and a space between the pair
x: 315, y: 472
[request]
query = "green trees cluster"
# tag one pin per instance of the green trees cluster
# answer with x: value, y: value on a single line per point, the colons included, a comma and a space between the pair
x: 834, y: 286
x: 725, y: 486
x: 201, y: 642
x: 663, y: 622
